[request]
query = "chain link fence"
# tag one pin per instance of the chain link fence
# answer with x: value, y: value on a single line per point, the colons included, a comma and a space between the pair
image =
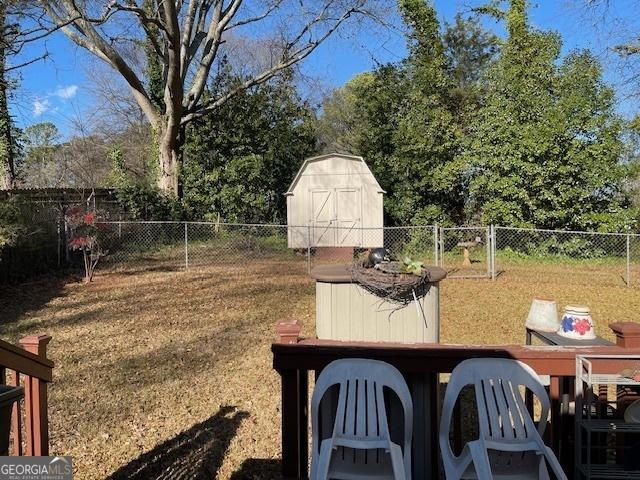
x: 581, y: 258
x: 489, y: 252
x: 493, y: 252
x: 173, y: 245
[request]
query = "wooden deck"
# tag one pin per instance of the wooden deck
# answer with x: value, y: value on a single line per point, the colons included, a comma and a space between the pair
x: 295, y: 357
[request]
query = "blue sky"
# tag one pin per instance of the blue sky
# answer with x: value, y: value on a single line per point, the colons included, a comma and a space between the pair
x: 58, y: 91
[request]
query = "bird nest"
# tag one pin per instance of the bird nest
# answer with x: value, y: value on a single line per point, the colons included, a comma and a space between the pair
x: 389, y: 283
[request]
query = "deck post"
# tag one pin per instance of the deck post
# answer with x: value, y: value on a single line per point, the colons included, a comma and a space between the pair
x: 627, y: 334
x: 295, y: 409
x: 36, y: 401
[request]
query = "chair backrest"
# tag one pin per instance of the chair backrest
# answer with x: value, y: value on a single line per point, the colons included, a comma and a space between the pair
x: 502, y: 413
x: 361, y: 411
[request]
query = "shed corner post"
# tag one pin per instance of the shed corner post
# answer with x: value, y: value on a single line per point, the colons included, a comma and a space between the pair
x: 308, y: 248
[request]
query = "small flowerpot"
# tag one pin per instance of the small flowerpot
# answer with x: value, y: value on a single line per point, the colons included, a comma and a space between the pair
x: 543, y: 315
x: 577, y: 323
x: 8, y: 396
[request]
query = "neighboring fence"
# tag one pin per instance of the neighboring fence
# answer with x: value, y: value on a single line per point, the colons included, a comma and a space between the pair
x: 492, y: 252
x: 41, y: 246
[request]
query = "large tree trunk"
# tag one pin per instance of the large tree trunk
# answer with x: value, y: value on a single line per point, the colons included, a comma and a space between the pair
x: 169, y: 154
x: 7, y: 171
x: 169, y: 161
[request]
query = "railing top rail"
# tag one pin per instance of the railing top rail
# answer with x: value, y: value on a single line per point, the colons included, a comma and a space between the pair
x: 16, y: 358
x: 314, y: 354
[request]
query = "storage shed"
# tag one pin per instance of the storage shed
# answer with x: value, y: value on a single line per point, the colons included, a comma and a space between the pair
x: 336, y: 201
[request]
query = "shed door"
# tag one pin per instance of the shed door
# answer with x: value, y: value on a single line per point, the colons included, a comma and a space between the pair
x: 348, y: 217
x: 322, y: 216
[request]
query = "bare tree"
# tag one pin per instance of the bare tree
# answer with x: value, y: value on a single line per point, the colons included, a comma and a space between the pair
x: 188, y: 37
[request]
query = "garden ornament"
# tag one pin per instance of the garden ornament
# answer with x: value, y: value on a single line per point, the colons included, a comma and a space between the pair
x: 577, y: 323
x: 378, y: 255
x: 543, y: 315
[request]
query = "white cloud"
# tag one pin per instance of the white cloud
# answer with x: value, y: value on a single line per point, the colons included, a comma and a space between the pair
x: 66, y: 92
x: 41, y: 106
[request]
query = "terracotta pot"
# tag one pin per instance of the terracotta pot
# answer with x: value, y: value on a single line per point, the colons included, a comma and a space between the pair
x: 8, y: 396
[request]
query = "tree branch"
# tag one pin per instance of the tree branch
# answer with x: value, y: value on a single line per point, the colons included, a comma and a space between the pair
x: 289, y: 59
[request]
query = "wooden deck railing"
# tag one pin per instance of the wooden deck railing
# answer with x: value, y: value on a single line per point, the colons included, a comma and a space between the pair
x: 294, y: 357
x: 28, y: 365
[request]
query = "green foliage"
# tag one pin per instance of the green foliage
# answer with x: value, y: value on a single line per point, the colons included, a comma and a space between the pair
x: 546, y: 143
x: 239, y: 161
x: 117, y: 176
x: 141, y: 201
x: 408, y: 119
x: 10, y: 223
x: 411, y: 266
x: 469, y: 50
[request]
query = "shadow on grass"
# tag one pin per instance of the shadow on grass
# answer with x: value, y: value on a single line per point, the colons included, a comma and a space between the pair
x: 258, y: 469
x: 17, y: 300
x: 196, y: 453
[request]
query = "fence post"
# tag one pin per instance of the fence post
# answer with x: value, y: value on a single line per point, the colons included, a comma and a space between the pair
x: 489, y: 256
x: 186, y: 246
x: 308, y: 248
x: 628, y: 260
x: 120, y: 228
x: 493, y: 252
x: 441, y: 242
x: 435, y: 245
x: 59, y: 235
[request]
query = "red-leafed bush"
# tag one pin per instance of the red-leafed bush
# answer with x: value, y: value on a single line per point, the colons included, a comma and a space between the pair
x: 84, y: 228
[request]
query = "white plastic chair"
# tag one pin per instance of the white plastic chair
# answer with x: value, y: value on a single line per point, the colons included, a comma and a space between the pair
x: 360, y: 445
x: 509, y: 444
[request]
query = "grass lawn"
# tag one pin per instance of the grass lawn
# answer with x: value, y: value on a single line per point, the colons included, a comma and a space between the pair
x: 166, y: 373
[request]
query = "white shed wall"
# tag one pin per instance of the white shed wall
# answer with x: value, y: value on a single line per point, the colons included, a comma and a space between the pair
x: 340, y: 200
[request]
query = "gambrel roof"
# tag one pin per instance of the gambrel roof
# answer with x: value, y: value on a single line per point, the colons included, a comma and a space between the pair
x: 331, y: 155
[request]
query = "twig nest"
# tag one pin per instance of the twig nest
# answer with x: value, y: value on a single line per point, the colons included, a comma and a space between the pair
x: 388, y: 283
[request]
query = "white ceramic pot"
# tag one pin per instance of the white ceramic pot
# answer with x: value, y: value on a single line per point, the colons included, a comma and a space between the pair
x: 543, y: 315
x: 577, y: 323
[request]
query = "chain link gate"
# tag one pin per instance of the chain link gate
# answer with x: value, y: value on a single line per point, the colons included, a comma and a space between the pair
x: 465, y: 252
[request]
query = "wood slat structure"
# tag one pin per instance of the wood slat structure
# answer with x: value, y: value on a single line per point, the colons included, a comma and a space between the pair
x: 28, y: 365
x: 295, y: 357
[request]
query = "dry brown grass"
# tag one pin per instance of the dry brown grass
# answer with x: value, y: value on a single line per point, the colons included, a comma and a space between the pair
x: 161, y: 370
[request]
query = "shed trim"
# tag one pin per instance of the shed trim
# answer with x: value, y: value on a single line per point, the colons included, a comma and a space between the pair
x: 329, y: 155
